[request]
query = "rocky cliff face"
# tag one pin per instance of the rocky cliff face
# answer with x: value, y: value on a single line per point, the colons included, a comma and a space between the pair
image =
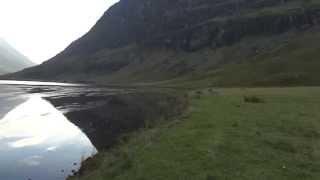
x: 191, y: 24
x: 134, y: 34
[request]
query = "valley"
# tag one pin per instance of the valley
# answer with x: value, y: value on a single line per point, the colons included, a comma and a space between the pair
x: 191, y: 89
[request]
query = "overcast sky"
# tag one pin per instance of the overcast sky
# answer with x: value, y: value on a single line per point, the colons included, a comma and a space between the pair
x: 42, y: 28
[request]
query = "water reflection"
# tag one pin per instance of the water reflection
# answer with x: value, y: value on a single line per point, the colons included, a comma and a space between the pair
x: 38, y: 142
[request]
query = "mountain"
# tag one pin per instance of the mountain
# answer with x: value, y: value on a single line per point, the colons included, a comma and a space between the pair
x: 195, y: 42
x: 11, y: 60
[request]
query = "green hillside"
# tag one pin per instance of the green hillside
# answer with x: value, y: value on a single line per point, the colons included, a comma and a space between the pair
x: 291, y: 59
x: 227, y: 43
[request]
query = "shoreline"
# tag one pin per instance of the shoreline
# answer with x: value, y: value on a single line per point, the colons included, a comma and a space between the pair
x: 108, y: 116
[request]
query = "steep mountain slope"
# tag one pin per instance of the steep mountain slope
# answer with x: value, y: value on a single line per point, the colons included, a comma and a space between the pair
x: 11, y: 60
x: 144, y: 41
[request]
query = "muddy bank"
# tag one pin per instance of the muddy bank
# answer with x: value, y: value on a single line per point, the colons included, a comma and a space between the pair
x: 106, y: 118
x: 111, y: 122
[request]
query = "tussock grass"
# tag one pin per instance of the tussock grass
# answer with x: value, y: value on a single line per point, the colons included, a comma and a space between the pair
x: 253, y: 99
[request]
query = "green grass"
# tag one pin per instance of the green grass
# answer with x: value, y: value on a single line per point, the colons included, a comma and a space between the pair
x: 285, y: 60
x: 224, y: 137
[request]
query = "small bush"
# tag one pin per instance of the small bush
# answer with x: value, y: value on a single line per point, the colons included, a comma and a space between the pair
x: 253, y: 99
x: 235, y: 124
x: 209, y: 177
x: 198, y: 94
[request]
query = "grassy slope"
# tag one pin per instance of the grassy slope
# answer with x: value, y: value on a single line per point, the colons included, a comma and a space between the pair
x: 291, y: 59
x: 225, y: 138
x: 292, y: 63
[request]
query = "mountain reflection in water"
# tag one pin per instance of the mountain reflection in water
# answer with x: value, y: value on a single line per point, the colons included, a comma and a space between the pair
x: 37, y: 142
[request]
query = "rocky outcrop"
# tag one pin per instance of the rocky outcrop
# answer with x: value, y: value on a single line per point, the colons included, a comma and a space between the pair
x: 184, y: 22
x: 217, y: 33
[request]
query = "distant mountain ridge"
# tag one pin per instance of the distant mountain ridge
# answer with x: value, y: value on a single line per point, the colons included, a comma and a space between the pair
x: 215, y: 42
x: 11, y: 60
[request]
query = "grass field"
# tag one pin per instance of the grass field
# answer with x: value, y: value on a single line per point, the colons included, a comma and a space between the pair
x: 225, y: 137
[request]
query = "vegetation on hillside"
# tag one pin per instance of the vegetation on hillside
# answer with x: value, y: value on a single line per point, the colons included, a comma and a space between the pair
x: 287, y: 60
x: 213, y: 43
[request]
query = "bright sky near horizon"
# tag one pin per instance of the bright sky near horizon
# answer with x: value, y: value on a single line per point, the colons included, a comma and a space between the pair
x: 40, y: 29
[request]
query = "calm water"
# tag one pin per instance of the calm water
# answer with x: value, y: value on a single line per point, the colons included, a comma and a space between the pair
x: 36, y: 140
x: 36, y: 83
